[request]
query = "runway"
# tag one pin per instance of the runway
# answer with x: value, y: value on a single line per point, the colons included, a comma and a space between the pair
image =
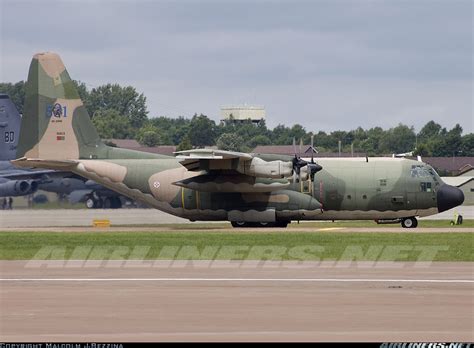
x: 84, y: 217
x: 235, y: 300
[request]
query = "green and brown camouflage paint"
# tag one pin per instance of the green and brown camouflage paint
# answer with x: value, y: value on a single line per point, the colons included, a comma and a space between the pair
x: 57, y: 132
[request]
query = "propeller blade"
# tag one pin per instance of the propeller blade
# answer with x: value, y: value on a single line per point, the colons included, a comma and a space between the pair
x: 301, y: 145
x: 313, y: 168
x: 312, y: 148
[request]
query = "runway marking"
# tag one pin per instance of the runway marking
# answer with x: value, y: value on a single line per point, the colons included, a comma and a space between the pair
x: 288, y: 280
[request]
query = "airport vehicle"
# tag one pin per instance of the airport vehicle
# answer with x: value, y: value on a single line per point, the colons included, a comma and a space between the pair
x: 205, y: 184
x: 21, y: 182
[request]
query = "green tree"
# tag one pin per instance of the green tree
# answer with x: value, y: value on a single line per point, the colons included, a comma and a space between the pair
x: 399, y: 139
x: 16, y: 91
x: 125, y: 100
x: 258, y: 140
x: 150, y: 138
x: 371, y: 145
x: 185, y: 144
x: 429, y: 131
x: 467, y: 145
x: 202, y: 131
x: 110, y: 124
x: 149, y: 135
x: 82, y: 90
x: 422, y: 150
x: 173, y: 130
x: 230, y: 142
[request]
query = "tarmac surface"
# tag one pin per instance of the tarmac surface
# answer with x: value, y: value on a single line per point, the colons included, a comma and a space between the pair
x: 235, y: 301
x: 84, y: 217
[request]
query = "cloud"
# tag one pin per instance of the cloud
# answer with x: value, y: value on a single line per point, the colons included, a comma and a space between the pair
x: 325, y: 64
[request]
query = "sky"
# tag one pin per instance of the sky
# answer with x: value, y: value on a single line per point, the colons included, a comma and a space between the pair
x: 327, y: 65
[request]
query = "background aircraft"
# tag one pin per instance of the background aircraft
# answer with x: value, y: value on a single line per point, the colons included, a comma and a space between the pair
x: 204, y: 184
x: 20, y: 182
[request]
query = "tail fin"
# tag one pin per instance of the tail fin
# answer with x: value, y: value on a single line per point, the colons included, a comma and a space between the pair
x: 10, y: 120
x: 55, y: 123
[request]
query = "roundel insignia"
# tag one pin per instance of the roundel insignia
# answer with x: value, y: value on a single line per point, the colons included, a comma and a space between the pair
x: 156, y: 184
x: 57, y: 110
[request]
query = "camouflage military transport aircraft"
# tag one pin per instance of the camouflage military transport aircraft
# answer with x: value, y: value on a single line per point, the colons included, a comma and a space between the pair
x: 205, y: 184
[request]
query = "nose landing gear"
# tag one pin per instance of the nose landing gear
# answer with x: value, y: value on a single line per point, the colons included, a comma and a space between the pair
x: 410, y: 222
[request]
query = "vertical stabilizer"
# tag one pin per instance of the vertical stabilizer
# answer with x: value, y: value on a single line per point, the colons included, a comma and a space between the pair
x: 55, y: 123
x: 10, y: 121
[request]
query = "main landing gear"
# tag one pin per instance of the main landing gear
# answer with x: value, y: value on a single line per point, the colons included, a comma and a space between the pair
x: 410, y: 222
x: 93, y: 202
x: 243, y: 224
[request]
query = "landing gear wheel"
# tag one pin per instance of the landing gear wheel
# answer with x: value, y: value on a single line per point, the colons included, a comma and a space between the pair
x: 116, y: 203
x: 98, y: 203
x: 239, y: 224
x: 90, y: 203
x: 108, y: 203
x: 411, y: 222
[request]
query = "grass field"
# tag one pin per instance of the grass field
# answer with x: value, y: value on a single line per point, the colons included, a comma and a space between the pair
x: 237, y: 246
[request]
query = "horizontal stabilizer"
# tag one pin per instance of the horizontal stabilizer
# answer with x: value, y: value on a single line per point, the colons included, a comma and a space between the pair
x: 47, y: 164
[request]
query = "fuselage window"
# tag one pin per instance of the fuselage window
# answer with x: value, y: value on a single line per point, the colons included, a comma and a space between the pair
x: 425, y: 186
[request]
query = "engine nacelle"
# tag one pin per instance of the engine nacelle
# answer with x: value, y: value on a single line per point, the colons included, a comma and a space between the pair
x: 262, y: 169
x: 14, y: 188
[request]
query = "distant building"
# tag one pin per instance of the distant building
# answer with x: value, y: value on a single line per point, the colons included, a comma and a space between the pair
x: 243, y: 113
x: 467, y: 170
x: 450, y: 166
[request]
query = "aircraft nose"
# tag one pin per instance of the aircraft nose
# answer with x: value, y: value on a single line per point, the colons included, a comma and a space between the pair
x: 449, y: 197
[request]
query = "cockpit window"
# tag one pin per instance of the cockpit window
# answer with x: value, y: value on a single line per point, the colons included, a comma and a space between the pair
x: 419, y: 171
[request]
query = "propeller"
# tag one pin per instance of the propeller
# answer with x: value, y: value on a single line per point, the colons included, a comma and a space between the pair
x: 298, y: 163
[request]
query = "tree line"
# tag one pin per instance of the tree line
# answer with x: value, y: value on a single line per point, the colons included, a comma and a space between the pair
x: 121, y: 112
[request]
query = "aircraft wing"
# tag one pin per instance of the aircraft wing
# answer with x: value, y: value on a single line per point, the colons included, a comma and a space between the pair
x: 194, y: 159
x: 210, y: 160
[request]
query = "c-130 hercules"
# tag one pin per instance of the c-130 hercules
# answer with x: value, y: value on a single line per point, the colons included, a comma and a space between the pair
x: 204, y: 184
